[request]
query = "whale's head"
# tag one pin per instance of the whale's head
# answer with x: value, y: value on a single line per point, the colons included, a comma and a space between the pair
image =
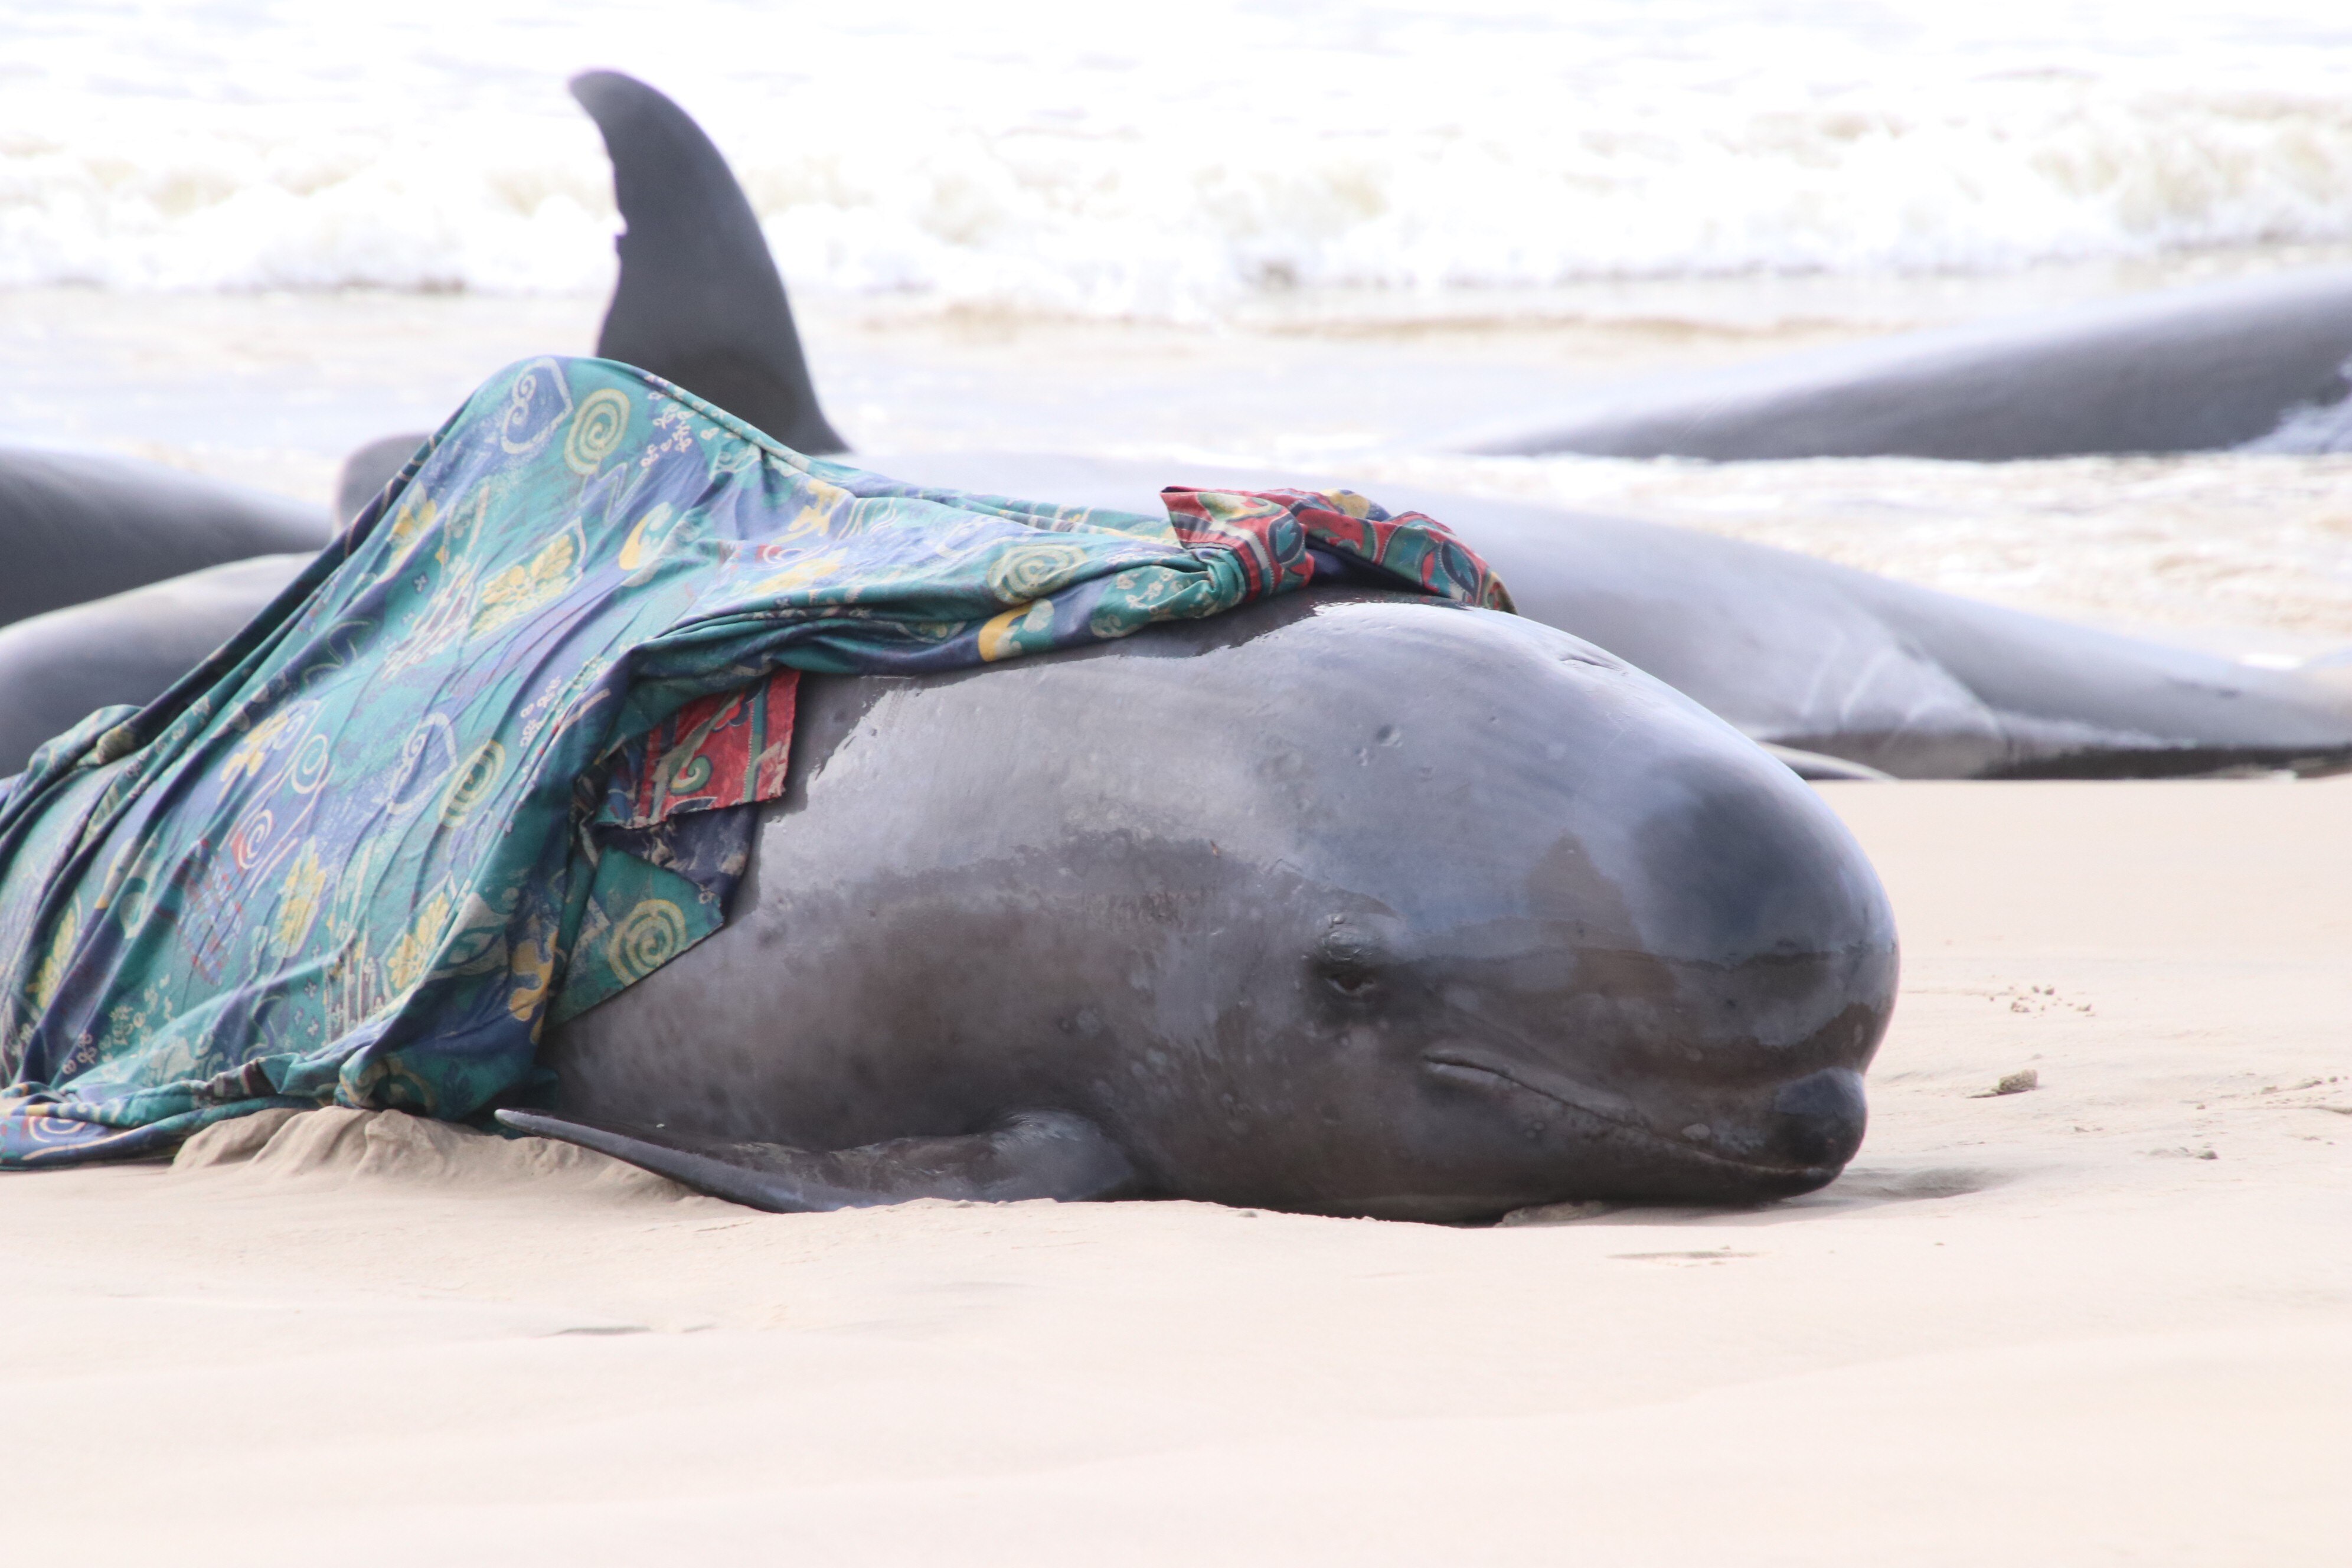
x: 1344, y: 903
x: 1507, y: 922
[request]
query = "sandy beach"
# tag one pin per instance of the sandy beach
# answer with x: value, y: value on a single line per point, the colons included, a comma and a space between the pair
x: 2108, y: 1320
x: 2084, y: 1299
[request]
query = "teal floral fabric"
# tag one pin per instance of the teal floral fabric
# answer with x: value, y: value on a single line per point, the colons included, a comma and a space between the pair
x: 490, y: 759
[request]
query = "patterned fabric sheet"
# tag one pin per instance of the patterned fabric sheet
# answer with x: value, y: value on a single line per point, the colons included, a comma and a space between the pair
x: 491, y: 758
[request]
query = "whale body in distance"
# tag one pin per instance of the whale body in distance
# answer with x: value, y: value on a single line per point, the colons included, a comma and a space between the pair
x: 1807, y: 655
x: 59, y: 668
x: 2253, y: 361
x: 76, y: 526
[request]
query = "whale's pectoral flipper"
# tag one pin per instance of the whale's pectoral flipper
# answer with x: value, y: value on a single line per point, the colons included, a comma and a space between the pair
x: 1027, y: 1155
x: 700, y: 300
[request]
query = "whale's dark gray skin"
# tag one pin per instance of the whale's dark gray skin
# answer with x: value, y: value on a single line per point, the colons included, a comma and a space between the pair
x: 2226, y: 364
x: 699, y: 301
x: 77, y: 526
x: 1813, y: 656
x: 57, y: 668
x: 368, y: 469
x: 1342, y: 903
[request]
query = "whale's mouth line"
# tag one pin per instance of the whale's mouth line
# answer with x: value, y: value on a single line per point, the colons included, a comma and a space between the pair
x: 1477, y: 1072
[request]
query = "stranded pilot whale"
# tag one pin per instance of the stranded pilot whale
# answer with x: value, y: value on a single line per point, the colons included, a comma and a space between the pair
x: 2257, y: 363
x: 1344, y: 903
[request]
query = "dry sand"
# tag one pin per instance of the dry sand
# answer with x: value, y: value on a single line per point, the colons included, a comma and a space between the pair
x: 2108, y: 1320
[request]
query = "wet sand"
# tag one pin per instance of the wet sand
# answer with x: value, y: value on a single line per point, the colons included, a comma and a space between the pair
x: 2108, y: 1320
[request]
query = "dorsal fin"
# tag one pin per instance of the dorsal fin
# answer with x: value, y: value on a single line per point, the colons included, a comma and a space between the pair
x: 700, y: 300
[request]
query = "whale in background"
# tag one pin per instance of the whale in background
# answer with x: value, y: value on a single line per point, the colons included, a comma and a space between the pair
x: 2254, y: 362
x: 1844, y: 673
x: 128, y: 647
x: 76, y: 526
x: 1810, y: 659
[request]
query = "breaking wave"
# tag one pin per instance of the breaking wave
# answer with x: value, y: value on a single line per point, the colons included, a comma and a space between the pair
x: 1042, y: 157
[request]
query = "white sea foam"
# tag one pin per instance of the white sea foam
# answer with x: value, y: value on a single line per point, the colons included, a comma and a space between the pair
x: 1055, y: 157
x: 2312, y: 428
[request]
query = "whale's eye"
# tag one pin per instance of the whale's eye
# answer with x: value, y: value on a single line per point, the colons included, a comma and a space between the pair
x: 1349, y: 962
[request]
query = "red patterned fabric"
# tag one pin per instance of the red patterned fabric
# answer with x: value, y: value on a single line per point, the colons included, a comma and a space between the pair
x: 729, y: 749
x: 1275, y: 533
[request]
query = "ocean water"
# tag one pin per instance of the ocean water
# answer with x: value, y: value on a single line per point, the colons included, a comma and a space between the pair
x: 242, y: 237
x: 1176, y: 162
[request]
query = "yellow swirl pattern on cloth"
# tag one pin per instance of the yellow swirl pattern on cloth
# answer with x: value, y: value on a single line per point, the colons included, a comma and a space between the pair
x: 475, y: 778
x: 598, y: 427
x: 652, y: 933
x: 526, y: 585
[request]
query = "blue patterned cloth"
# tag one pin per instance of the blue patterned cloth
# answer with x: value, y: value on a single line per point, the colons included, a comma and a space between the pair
x: 490, y: 758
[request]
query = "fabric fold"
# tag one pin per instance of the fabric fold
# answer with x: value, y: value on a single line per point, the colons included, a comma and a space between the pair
x: 493, y: 756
